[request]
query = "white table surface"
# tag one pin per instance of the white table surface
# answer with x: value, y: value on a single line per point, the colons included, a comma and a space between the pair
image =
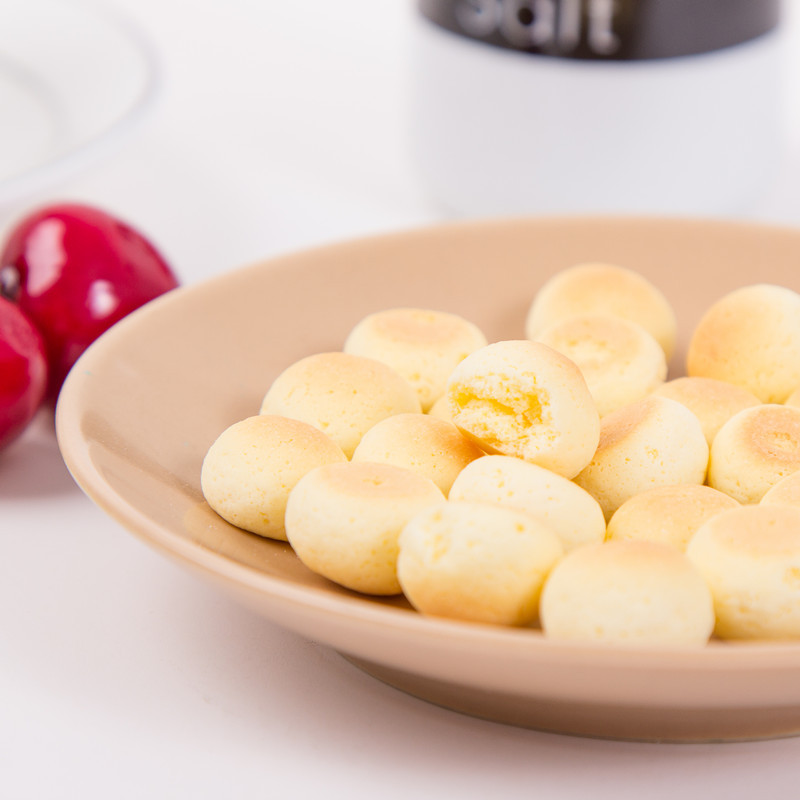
x: 280, y: 125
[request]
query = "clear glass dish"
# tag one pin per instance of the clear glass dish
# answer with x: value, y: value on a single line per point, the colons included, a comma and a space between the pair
x: 75, y: 77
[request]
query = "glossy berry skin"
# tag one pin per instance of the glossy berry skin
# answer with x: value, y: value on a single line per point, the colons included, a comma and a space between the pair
x: 75, y: 270
x: 23, y: 372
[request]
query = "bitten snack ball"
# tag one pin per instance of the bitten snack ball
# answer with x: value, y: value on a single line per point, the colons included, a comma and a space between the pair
x: 620, y: 360
x: 250, y: 469
x: 713, y: 402
x: 669, y: 514
x: 627, y: 592
x: 569, y: 511
x: 476, y: 562
x: 341, y: 394
x: 524, y: 399
x: 751, y: 338
x: 607, y: 289
x: 750, y: 558
x: 421, y: 345
x: 654, y: 442
x: 754, y: 450
x: 424, y: 444
x: 343, y: 521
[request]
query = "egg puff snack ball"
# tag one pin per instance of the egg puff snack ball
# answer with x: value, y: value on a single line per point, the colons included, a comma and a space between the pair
x: 785, y: 492
x: 343, y: 521
x: 252, y: 466
x: 712, y: 401
x: 569, y: 511
x: 607, y: 289
x: 794, y: 398
x: 422, y: 345
x: 522, y: 398
x: 751, y: 338
x: 619, y: 359
x: 653, y: 442
x: 750, y: 559
x: 476, y: 562
x: 627, y: 592
x: 668, y: 514
x: 754, y: 450
x: 341, y: 394
x: 429, y: 446
x: 441, y: 409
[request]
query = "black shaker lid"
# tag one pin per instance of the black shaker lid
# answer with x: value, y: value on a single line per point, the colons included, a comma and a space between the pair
x: 607, y: 29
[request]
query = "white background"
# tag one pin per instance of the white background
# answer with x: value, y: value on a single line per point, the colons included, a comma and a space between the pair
x: 279, y: 125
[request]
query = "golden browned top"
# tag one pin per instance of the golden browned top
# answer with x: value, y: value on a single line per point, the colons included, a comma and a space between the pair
x: 756, y: 531
x: 616, y: 426
x: 774, y: 431
x: 417, y: 325
x: 372, y: 480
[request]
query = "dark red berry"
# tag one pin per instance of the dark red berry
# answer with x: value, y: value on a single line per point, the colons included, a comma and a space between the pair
x: 74, y: 271
x: 23, y: 371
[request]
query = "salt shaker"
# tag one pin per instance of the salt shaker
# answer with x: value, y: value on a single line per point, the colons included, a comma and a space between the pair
x: 630, y: 106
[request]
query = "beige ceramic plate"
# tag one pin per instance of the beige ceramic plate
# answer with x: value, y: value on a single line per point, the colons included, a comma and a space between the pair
x: 140, y: 409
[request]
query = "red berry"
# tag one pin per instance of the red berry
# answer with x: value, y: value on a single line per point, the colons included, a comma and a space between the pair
x: 23, y: 372
x: 75, y: 271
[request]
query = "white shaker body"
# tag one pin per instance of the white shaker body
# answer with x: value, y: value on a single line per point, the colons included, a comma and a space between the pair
x: 498, y: 131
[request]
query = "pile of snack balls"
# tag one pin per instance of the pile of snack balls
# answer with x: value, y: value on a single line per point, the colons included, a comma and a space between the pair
x: 558, y: 482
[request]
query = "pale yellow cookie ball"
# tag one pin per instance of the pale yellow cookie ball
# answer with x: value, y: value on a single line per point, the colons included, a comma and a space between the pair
x: 785, y: 492
x: 341, y: 394
x: 422, y: 345
x: 343, y: 521
x: 620, y: 360
x: 755, y: 449
x: 653, y: 442
x: 524, y: 399
x: 569, y: 511
x: 476, y: 562
x: 250, y: 469
x: 751, y: 338
x: 750, y: 559
x: 713, y: 402
x: 627, y: 592
x: 608, y: 289
x: 794, y: 398
x: 669, y: 514
x: 441, y: 409
x: 431, y: 447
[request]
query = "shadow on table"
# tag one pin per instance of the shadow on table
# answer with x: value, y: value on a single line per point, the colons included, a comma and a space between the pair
x: 32, y: 465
